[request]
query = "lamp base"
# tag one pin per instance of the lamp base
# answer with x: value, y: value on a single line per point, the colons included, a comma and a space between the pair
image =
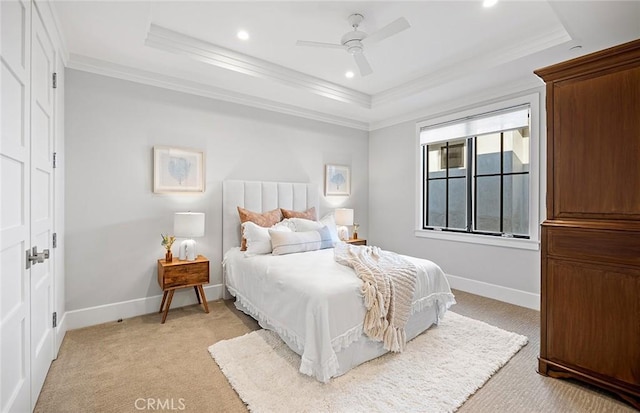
x: 343, y: 233
x: 188, y: 250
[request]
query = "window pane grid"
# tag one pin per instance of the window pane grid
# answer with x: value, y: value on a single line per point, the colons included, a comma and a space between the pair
x: 445, y: 184
x: 478, y: 185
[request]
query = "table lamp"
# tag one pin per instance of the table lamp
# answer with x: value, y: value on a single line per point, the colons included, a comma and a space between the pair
x: 344, y: 217
x: 188, y: 225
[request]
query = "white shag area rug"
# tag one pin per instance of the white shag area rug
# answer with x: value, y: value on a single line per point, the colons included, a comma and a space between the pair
x: 437, y: 372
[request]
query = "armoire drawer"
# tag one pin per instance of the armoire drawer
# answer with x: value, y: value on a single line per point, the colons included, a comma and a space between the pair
x: 621, y: 247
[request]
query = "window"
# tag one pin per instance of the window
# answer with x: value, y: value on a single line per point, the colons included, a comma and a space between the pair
x: 475, y: 174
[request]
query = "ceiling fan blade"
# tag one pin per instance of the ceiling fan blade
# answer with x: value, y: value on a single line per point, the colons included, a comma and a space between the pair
x: 389, y: 30
x: 363, y: 64
x: 319, y: 44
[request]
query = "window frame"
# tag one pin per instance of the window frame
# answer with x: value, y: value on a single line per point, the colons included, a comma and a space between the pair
x: 447, y: 178
x: 532, y: 243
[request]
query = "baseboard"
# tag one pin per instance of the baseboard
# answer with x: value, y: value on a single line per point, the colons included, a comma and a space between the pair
x: 497, y: 292
x: 90, y: 316
x: 126, y: 309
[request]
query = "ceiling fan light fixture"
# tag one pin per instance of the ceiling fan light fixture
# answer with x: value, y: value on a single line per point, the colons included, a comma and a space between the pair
x: 354, y: 41
x: 243, y: 35
x: 354, y: 48
x: 354, y: 36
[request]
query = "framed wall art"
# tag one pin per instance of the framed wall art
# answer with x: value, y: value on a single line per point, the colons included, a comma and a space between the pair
x: 337, y: 180
x: 177, y: 170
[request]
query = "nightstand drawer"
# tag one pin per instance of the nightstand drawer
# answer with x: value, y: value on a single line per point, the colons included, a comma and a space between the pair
x: 184, y: 275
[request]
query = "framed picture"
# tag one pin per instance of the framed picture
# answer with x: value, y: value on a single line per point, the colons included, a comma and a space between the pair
x: 337, y: 180
x: 177, y: 170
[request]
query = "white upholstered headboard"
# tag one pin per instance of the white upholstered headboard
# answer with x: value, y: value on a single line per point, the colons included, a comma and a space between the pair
x: 261, y: 197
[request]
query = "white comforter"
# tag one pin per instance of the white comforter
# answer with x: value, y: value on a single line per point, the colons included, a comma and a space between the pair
x: 315, y: 303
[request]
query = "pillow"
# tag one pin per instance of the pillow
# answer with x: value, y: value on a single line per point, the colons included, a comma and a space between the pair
x: 308, y: 214
x: 265, y: 219
x: 300, y: 224
x: 291, y: 242
x: 290, y: 223
x: 330, y: 222
x: 258, y: 239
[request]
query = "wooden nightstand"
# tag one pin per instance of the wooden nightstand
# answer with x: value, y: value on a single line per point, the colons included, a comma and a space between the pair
x: 182, y: 274
x: 356, y: 241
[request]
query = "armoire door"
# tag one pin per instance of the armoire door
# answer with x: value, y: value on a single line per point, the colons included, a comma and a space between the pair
x: 26, y: 138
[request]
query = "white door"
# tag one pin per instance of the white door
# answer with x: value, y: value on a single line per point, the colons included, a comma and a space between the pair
x: 26, y: 106
x: 42, y: 68
x: 15, y: 290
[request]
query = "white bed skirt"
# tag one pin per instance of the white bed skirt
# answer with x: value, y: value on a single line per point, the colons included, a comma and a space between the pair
x: 364, y: 349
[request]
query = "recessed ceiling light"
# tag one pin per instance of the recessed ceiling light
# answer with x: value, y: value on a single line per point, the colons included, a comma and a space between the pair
x: 243, y: 35
x: 489, y: 3
x: 349, y: 74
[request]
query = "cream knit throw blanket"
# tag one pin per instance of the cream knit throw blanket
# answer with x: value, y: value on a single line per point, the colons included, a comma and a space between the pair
x: 389, y: 282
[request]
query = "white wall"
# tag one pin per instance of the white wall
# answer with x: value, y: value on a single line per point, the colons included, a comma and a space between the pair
x: 509, y: 274
x: 113, y: 218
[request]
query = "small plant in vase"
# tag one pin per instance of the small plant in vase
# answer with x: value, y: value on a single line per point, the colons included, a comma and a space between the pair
x: 167, y: 242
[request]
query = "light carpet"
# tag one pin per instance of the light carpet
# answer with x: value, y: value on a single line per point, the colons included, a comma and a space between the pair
x: 437, y: 372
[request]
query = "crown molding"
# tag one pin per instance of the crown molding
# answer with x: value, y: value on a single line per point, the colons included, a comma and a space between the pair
x: 456, y: 70
x: 164, y: 39
x: 104, y: 68
x: 518, y: 87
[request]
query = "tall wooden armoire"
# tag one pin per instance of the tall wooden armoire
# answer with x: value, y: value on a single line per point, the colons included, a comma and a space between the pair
x: 590, y: 291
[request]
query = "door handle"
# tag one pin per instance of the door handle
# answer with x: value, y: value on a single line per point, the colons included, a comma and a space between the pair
x: 34, y: 257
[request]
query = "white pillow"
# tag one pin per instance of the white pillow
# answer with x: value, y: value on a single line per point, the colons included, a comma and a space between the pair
x: 258, y: 239
x: 291, y: 242
x: 330, y: 222
x: 289, y: 223
x: 301, y: 224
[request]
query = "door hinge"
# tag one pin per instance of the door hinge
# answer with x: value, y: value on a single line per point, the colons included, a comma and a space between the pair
x: 55, y: 319
x: 55, y: 159
x: 54, y: 242
x: 55, y: 80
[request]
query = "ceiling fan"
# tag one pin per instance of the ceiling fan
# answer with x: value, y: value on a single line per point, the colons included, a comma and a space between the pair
x: 354, y: 41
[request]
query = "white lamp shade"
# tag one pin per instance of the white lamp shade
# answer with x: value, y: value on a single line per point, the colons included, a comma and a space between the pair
x: 344, y: 216
x: 188, y: 224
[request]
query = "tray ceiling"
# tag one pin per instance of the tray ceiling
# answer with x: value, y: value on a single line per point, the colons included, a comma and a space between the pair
x: 453, y: 49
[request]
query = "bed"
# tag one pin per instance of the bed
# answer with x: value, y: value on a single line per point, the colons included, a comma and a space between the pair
x: 313, y: 303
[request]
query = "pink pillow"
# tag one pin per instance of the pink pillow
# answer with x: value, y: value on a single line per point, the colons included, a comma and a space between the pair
x: 308, y: 214
x: 264, y: 219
